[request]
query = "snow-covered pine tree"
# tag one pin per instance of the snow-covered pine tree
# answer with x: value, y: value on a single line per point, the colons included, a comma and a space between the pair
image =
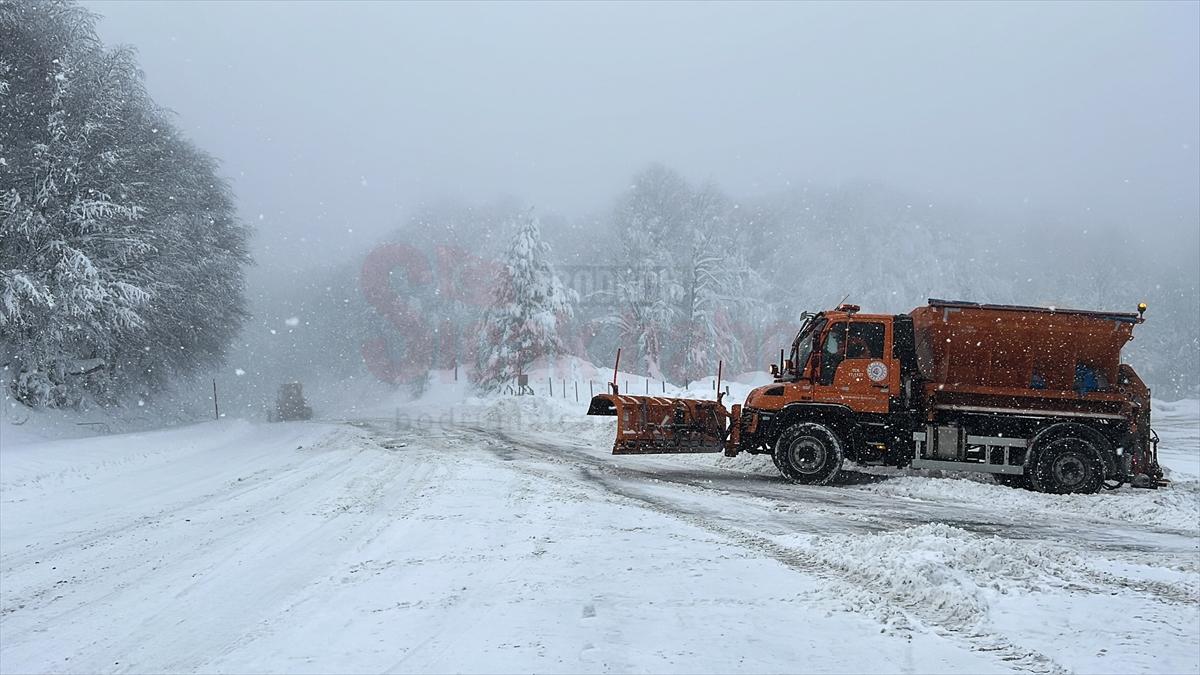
x: 530, y: 301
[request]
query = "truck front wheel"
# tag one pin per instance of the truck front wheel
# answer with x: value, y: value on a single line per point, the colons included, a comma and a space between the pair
x: 808, y: 453
x: 1067, y: 464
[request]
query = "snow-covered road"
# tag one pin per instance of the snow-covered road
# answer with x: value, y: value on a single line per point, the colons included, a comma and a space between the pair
x: 507, y: 539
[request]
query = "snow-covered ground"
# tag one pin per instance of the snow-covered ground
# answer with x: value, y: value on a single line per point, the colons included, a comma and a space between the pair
x: 498, y: 534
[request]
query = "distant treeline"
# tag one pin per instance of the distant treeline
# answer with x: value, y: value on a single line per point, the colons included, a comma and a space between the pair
x: 682, y: 276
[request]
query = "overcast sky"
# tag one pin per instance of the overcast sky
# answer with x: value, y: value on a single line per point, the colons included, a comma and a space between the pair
x: 337, y: 117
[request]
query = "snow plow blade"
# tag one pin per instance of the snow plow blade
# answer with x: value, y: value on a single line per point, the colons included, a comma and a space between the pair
x: 648, y: 425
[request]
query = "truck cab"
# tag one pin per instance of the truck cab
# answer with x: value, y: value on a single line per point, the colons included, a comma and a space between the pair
x: 846, y: 368
x: 844, y: 358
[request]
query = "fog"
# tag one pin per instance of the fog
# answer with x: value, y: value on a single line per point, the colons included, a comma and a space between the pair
x: 771, y: 158
x: 334, y: 120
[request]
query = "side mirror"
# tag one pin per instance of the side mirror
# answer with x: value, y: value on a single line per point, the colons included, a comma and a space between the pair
x: 789, y: 366
x: 774, y: 370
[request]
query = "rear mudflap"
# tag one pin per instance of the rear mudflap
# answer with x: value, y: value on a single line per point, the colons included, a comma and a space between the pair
x: 1140, y: 466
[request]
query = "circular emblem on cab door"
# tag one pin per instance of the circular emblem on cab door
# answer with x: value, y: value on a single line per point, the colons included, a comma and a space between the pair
x: 877, y: 371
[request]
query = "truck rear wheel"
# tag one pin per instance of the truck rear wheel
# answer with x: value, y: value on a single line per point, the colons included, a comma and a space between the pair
x: 808, y: 453
x: 1066, y: 465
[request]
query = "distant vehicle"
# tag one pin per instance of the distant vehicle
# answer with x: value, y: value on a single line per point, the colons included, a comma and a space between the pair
x: 290, y: 404
x: 1035, y: 396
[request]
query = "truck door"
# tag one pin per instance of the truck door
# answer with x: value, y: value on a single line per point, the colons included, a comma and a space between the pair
x: 854, y: 368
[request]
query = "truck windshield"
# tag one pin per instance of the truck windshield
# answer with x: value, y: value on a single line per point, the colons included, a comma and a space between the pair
x: 802, y: 346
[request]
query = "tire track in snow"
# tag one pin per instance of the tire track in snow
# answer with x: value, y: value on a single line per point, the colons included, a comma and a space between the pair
x: 200, y: 570
x: 228, y: 490
x: 384, y: 488
x: 873, y: 513
x: 269, y: 480
x: 612, y: 483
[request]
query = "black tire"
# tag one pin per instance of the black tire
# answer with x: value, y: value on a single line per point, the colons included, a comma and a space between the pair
x: 808, y: 453
x: 1067, y: 465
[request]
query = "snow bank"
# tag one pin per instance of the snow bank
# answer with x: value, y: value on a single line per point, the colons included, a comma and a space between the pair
x: 940, y: 572
x: 28, y: 461
x: 532, y: 414
x: 549, y: 376
x: 20, y: 425
x: 1042, y: 605
x: 1178, y: 426
x: 447, y: 402
x: 1175, y: 507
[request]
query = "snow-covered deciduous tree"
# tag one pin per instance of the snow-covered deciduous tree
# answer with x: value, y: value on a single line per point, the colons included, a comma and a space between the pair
x: 677, y: 296
x: 717, y: 305
x: 646, y: 288
x: 530, y: 302
x: 121, y: 257
x: 650, y: 223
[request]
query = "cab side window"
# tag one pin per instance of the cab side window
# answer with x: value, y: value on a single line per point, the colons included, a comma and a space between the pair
x: 865, y: 341
x: 832, y: 352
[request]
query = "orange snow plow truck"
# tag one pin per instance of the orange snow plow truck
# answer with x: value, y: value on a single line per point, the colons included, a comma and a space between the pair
x: 1035, y: 396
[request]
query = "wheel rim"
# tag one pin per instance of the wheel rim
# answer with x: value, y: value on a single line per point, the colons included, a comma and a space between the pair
x: 1069, y: 471
x: 806, y: 455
